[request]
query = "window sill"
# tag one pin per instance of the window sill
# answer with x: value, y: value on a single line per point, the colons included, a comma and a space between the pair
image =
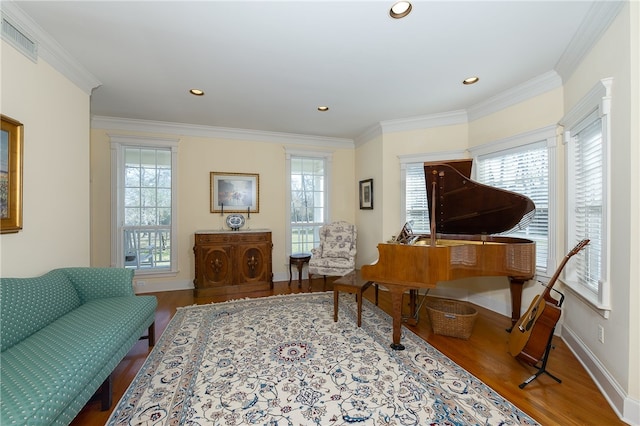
x: 158, y: 273
x: 589, y: 299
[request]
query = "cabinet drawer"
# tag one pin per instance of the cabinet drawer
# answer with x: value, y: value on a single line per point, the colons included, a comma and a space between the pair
x: 231, y: 237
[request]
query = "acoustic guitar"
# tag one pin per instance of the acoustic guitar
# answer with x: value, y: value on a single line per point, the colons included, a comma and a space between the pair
x: 529, y: 337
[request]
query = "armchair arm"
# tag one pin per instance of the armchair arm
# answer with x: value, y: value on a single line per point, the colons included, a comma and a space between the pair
x: 96, y: 283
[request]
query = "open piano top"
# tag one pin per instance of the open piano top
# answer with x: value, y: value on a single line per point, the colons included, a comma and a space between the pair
x: 464, y: 216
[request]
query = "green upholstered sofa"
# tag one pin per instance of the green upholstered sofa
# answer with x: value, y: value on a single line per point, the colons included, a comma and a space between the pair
x: 63, y: 333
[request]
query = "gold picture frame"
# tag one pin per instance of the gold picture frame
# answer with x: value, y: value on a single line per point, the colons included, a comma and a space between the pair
x: 234, y: 192
x: 11, y: 175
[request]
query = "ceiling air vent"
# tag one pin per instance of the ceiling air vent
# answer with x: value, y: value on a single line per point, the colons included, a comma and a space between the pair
x: 13, y: 35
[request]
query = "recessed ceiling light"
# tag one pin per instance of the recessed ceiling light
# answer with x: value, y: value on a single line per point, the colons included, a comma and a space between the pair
x: 470, y: 80
x: 400, y: 9
x: 323, y: 108
x: 196, y: 92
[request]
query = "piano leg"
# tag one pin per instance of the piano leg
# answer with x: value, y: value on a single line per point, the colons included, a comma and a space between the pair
x: 515, y: 287
x: 396, y: 311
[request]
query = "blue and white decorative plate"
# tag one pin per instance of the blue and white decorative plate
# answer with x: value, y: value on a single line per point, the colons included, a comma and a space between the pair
x: 235, y: 221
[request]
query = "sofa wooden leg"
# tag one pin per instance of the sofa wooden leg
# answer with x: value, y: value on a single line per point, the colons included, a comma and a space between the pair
x: 106, y: 393
x: 152, y: 334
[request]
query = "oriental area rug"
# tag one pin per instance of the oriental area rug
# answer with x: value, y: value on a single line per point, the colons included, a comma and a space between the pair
x: 282, y: 360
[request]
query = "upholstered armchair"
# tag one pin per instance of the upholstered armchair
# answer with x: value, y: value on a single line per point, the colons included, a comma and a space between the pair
x: 336, y: 254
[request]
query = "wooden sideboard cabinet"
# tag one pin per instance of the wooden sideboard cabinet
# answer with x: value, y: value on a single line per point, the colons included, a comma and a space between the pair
x: 232, y: 262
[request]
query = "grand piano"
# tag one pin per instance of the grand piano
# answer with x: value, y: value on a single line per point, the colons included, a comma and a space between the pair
x: 464, y: 217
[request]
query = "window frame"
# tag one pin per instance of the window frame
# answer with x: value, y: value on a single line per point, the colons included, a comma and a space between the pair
x: 118, y: 145
x: 327, y: 157
x: 596, y: 104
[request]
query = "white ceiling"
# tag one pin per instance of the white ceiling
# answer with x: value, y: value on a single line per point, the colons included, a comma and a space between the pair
x: 267, y: 65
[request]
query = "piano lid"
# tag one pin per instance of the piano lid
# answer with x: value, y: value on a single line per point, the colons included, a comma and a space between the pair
x: 465, y: 207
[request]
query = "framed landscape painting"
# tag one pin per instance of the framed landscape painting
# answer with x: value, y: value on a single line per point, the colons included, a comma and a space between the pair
x: 235, y: 192
x: 11, y: 175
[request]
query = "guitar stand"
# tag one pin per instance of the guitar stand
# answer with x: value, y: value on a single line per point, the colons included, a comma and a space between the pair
x: 543, y: 367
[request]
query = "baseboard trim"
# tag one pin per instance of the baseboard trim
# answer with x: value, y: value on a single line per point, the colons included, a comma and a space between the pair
x: 625, y: 407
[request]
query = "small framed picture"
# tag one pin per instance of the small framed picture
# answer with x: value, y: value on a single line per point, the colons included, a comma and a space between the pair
x: 366, y: 194
x: 235, y: 192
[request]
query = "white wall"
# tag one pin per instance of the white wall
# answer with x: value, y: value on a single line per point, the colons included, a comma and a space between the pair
x: 368, y: 165
x: 55, y: 115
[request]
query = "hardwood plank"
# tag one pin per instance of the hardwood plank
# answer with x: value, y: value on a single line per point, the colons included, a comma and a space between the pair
x: 575, y: 401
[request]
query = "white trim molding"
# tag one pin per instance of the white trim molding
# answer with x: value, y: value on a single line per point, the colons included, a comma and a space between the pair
x: 627, y: 408
x: 117, y: 144
x: 600, y: 16
x: 183, y: 129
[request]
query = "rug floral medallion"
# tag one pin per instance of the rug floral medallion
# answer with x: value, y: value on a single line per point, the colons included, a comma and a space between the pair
x: 282, y: 360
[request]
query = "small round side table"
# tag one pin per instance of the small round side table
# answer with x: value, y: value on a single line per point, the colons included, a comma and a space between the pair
x: 298, y: 259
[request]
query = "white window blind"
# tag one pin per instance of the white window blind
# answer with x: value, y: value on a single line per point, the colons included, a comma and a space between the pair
x: 417, y: 209
x: 524, y: 170
x: 588, y: 198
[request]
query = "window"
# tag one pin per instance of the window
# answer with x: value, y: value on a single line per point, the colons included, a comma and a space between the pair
x: 144, y: 211
x: 308, y: 195
x: 414, y: 189
x: 416, y: 206
x: 525, y: 169
x: 587, y: 139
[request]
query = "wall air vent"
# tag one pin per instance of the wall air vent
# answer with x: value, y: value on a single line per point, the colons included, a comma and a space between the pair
x: 12, y: 34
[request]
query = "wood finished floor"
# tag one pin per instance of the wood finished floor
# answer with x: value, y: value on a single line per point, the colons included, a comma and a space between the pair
x: 575, y: 401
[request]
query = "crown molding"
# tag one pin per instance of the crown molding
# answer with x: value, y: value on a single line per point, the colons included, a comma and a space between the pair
x: 182, y: 129
x: 412, y: 123
x: 527, y: 90
x: 433, y: 156
x: 600, y: 16
x: 369, y: 134
x: 51, y: 51
x: 424, y: 122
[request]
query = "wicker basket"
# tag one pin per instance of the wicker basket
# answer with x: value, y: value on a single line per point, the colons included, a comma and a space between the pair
x: 452, y: 318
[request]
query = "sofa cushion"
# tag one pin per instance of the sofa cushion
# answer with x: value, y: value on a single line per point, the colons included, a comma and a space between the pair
x: 28, y: 304
x: 62, y: 358
x: 97, y: 283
